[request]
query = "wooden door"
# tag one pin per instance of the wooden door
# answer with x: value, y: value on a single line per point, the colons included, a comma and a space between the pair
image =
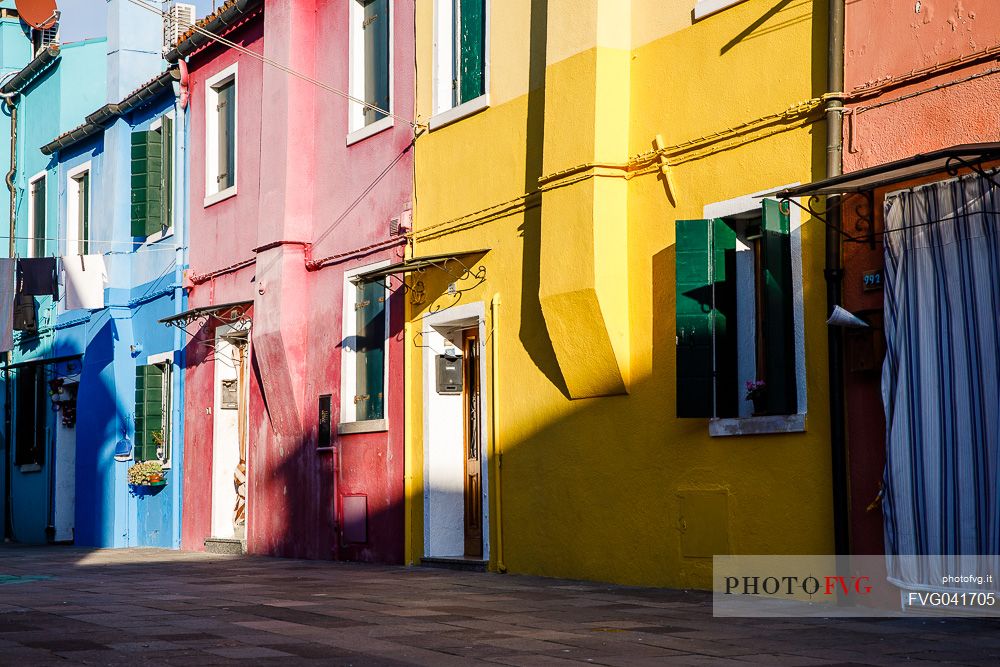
x: 473, y: 447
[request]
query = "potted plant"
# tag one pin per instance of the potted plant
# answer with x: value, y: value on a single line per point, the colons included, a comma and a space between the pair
x: 146, y: 473
x: 757, y: 392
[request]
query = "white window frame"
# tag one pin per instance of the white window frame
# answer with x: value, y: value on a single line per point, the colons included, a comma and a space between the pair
x: 166, y: 359
x: 746, y: 331
x: 704, y: 8
x: 72, y: 205
x: 212, y: 84
x: 169, y: 231
x: 348, y: 422
x: 445, y: 111
x: 357, y: 130
x: 40, y: 176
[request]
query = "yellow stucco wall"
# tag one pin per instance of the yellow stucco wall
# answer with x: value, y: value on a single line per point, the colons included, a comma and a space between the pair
x: 597, y: 486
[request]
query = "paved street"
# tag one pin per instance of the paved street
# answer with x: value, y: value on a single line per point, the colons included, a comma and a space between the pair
x: 78, y: 606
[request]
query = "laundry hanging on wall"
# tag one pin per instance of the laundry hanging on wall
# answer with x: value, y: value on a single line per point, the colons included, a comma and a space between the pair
x: 84, y: 279
x: 7, y: 270
x: 36, y: 276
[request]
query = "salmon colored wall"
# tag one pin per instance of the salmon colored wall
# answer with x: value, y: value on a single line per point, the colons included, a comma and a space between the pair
x: 891, y: 38
x: 895, y: 114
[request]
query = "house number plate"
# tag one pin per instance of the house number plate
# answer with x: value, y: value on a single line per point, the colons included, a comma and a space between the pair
x: 872, y: 280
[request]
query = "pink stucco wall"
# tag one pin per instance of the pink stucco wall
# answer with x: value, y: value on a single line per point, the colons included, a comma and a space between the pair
x: 303, y: 194
x: 888, y: 39
x: 919, y: 81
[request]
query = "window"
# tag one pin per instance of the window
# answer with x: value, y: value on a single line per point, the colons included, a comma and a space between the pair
x: 36, y: 216
x: 78, y: 211
x: 365, y: 352
x: 31, y: 413
x: 221, y: 138
x: 703, y: 8
x: 735, y: 315
x: 371, y: 63
x: 152, y: 179
x: 460, y: 58
x: 152, y: 412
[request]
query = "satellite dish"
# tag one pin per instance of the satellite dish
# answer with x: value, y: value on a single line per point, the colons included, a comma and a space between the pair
x: 40, y: 14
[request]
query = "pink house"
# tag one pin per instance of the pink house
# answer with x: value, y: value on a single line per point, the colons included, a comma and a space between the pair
x: 293, y: 396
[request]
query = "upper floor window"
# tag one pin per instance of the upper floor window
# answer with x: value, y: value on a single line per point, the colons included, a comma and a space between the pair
x: 152, y: 179
x: 460, y: 53
x: 36, y: 216
x: 78, y: 211
x: 738, y: 300
x: 221, y: 143
x: 371, y: 62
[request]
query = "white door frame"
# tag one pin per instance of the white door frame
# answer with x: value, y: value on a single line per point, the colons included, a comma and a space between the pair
x: 442, y: 538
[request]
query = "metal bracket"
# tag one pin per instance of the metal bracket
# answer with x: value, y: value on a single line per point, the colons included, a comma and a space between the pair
x: 864, y: 210
x: 953, y: 165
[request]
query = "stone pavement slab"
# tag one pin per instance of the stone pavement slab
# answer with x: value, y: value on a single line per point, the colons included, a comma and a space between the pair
x: 145, y: 606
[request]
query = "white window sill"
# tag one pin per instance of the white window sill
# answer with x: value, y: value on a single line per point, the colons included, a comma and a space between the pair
x: 220, y: 196
x: 757, y: 425
x: 157, y: 237
x: 463, y: 110
x: 370, y: 130
x: 30, y: 467
x: 704, y: 8
x: 370, y: 426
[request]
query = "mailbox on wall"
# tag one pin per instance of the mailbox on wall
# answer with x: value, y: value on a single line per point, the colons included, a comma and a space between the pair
x: 449, y: 374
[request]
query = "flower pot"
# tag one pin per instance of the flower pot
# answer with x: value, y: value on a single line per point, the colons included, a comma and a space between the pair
x: 759, y: 406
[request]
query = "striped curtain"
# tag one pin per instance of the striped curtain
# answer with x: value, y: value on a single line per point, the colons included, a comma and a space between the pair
x: 941, y: 377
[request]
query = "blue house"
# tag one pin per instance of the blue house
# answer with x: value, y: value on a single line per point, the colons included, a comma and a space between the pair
x: 95, y: 388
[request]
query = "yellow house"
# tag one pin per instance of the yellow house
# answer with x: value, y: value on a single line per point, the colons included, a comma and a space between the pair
x: 594, y: 277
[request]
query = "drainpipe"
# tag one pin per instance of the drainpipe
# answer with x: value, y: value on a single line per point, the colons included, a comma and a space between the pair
x: 8, y: 416
x: 834, y: 278
x: 495, y: 401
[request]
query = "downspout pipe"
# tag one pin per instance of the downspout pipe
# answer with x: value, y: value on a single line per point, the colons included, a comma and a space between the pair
x: 834, y: 274
x: 8, y: 523
x: 497, y: 454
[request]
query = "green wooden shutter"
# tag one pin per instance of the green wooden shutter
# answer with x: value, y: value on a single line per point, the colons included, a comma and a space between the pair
x: 149, y: 417
x: 38, y: 231
x: 371, y: 350
x: 376, y: 30
x: 471, y: 47
x: 705, y: 318
x: 167, y: 180
x: 147, y: 174
x: 83, y: 204
x: 226, y: 121
x: 778, y: 326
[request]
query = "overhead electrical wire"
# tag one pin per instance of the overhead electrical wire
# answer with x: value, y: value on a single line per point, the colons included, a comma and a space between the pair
x: 280, y: 66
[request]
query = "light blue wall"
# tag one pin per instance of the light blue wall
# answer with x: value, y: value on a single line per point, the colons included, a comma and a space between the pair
x: 15, y: 52
x: 143, y: 286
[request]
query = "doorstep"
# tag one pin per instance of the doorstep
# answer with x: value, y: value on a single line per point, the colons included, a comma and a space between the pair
x: 455, y: 563
x: 225, y: 546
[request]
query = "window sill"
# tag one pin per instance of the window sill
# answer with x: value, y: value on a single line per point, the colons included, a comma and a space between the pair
x: 718, y: 428
x: 30, y: 467
x: 158, y: 236
x: 449, y: 116
x: 220, y: 196
x: 370, y: 130
x: 704, y: 8
x: 370, y: 426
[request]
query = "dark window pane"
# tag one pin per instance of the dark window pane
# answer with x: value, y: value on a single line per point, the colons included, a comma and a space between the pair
x: 376, y: 33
